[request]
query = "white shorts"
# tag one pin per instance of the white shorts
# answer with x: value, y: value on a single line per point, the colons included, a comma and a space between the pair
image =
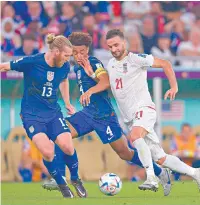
x: 146, y: 117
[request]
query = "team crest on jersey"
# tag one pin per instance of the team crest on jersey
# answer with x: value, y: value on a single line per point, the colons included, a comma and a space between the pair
x: 50, y: 76
x: 125, y: 68
x: 79, y: 74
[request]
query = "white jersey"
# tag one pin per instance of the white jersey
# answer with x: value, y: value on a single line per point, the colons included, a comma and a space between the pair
x: 128, y: 80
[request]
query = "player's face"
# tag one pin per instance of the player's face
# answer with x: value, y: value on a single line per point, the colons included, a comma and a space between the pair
x: 117, y: 46
x: 63, y: 55
x: 80, y: 52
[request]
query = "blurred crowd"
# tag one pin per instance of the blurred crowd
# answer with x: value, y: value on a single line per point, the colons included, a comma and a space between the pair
x: 165, y: 29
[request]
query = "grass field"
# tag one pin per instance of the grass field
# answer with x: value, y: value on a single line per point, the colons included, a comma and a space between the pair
x: 183, y: 193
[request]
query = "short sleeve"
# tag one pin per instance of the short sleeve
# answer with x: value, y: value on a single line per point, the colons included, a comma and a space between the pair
x: 67, y: 70
x: 22, y: 64
x: 98, y: 68
x: 143, y: 60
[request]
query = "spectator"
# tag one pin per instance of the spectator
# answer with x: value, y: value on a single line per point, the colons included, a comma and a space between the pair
x: 9, y: 12
x: 176, y: 28
x: 53, y: 25
x: 135, y: 43
x: 163, y: 48
x: 102, y: 15
x: 117, y: 23
x: 10, y: 40
x: 184, y: 146
x: 191, y: 48
x: 149, y: 36
x: 160, y: 18
x: 85, y: 7
x: 135, y: 10
x: 28, y: 46
x: 89, y: 26
x: 36, y: 14
x: 172, y: 9
x: 69, y: 20
x: 103, y: 52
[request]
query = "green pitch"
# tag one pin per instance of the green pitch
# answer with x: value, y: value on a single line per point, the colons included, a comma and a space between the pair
x: 183, y: 193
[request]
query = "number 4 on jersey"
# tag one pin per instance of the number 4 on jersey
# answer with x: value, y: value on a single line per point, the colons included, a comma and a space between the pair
x: 119, y: 84
x: 109, y: 131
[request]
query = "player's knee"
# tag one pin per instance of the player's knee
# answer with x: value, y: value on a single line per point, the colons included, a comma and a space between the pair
x: 68, y: 149
x: 48, y: 154
x: 161, y: 160
x: 133, y: 138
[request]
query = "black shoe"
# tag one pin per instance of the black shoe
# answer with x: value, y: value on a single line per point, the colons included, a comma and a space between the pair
x: 65, y: 190
x: 80, y: 190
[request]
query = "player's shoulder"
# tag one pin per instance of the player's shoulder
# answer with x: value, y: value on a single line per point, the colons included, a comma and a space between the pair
x: 93, y: 60
x: 111, y: 62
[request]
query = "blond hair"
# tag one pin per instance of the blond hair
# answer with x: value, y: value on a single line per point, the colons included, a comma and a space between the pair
x: 57, y: 41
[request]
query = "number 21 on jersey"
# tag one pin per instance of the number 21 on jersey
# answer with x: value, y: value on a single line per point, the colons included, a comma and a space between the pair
x: 119, y: 84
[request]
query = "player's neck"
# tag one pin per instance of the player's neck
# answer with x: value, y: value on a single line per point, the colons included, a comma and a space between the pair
x: 51, y: 61
x: 123, y: 56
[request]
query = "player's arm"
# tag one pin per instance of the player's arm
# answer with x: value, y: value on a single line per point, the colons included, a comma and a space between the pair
x: 103, y: 83
x: 144, y: 60
x: 4, y: 67
x: 64, y: 89
x: 169, y: 72
x: 20, y: 65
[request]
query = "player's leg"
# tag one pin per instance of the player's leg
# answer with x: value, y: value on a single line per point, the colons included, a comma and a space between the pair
x: 37, y: 133
x: 128, y: 153
x: 78, y: 127
x: 142, y: 124
x: 109, y: 130
x: 170, y: 161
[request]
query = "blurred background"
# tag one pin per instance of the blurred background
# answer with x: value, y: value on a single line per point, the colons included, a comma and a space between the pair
x: 169, y: 30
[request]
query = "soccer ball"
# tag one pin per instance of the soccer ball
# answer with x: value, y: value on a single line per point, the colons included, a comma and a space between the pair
x: 110, y: 184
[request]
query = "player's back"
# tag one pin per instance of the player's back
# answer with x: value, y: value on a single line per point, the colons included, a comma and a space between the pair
x: 41, y: 85
x: 100, y: 104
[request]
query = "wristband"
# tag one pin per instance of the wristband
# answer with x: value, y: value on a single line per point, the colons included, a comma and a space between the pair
x: 93, y: 76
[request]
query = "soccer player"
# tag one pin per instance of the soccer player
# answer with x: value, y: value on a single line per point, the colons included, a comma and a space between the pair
x: 40, y: 112
x: 98, y: 113
x: 128, y: 79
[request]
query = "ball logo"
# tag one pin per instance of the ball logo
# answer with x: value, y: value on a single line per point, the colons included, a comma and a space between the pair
x: 50, y: 76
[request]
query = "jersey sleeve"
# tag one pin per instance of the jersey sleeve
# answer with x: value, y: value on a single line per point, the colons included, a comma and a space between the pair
x: 143, y: 60
x: 67, y: 70
x: 98, y: 68
x: 22, y: 64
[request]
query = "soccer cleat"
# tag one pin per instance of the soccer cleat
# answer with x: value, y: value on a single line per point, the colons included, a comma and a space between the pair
x: 66, y: 191
x: 165, y: 181
x: 50, y: 185
x: 197, y: 177
x: 80, y: 190
x: 149, y: 184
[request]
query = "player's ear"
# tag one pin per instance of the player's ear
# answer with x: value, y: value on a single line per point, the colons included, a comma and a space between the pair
x: 56, y: 51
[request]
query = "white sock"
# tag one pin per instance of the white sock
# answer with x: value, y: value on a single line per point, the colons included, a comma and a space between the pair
x: 175, y: 164
x: 144, y: 154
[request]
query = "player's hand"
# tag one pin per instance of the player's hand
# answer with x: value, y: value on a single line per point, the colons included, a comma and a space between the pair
x: 70, y: 109
x: 171, y: 94
x: 85, y: 98
x: 86, y: 65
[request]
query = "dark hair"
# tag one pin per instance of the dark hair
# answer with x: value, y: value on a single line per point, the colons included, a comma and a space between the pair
x: 113, y: 33
x: 185, y: 125
x: 80, y: 39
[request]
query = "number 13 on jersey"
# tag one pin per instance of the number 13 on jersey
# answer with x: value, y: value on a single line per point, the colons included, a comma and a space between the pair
x: 119, y: 84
